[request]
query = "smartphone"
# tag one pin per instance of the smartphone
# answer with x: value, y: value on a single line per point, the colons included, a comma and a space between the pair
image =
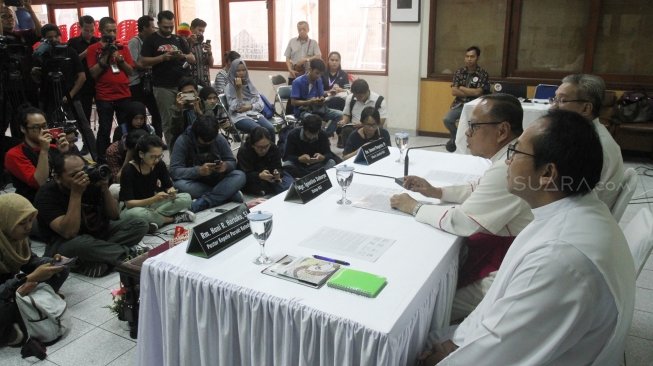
x: 55, y: 132
x: 208, y: 41
x: 176, y: 52
x: 217, y: 162
x: 188, y: 97
x: 64, y: 262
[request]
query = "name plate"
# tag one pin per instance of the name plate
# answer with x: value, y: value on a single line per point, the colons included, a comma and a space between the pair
x: 372, y: 152
x: 219, y: 233
x: 308, y: 187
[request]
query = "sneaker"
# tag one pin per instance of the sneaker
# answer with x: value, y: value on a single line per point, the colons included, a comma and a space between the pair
x: 199, y: 204
x: 93, y: 269
x: 451, y: 146
x: 185, y: 216
x: 153, y: 228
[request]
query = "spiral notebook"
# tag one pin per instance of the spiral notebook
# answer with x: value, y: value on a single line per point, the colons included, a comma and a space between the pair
x: 357, y: 282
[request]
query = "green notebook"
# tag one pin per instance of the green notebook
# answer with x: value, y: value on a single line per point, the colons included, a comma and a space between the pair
x: 358, y: 282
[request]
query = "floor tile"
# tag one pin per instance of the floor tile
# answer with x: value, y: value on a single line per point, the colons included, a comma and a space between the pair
x: 97, y: 347
x: 117, y: 327
x: 110, y: 281
x: 644, y: 300
x: 77, y: 329
x: 645, y: 279
x: 94, y: 309
x: 642, y: 325
x: 77, y: 290
x: 127, y: 359
x: 639, y: 352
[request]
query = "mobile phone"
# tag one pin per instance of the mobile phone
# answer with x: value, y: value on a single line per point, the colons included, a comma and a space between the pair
x: 176, y: 52
x: 188, y: 96
x: 55, y: 132
x: 208, y: 41
x: 64, y: 262
x: 217, y: 161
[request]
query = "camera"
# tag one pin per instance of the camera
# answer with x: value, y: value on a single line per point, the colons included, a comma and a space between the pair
x: 112, y: 46
x: 97, y: 173
x: 13, y: 2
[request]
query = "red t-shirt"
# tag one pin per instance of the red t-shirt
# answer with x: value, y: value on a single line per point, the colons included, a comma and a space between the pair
x: 19, y: 165
x: 110, y: 86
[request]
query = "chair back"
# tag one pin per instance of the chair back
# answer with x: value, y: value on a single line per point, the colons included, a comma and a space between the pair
x: 545, y: 91
x: 223, y: 101
x: 75, y: 30
x: 284, y: 92
x: 277, y: 80
x: 517, y: 90
x: 97, y: 29
x: 63, y: 29
x: 626, y: 191
x: 127, y: 29
x: 639, y: 235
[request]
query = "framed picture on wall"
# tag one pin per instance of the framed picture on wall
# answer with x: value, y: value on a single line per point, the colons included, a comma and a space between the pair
x: 404, y: 11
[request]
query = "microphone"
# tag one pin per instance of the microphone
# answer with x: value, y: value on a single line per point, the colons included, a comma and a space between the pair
x: 400, y: 181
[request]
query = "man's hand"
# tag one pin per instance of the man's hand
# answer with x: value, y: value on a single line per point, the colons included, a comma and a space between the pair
x: 44, y: 140
x: 179, y: 101
x: 277, y: 175
x: 403, y: 202
x: 62, y: 143
x: 318, y: 158
x: 43, y: 272
x: 207, y: 169
x: 172, y: 193
x: 420, y: 185
x: 305, y: 159
x: 266, y: 176
x: 293, y: 74
x: 222, y: 167
x: 80, y: 182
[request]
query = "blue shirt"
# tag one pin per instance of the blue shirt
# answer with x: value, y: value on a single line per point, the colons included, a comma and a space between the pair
x: 300, y: 90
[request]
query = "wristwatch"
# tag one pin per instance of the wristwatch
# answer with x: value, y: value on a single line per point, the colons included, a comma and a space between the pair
x: 416, y: 208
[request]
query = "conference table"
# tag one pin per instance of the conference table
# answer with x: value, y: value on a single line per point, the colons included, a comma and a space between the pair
x: 532, y: 111
x: 224, y: 311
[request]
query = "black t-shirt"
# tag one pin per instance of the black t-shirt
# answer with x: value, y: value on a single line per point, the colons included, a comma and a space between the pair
x: 69, y: 68
x: 20, y: 51
x: 166, y: 74
x: 52, y: 202
x: 136, y: 186
x: 80, y: 45
x: 355, y: 140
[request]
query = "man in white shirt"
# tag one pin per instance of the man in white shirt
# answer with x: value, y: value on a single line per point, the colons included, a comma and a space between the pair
x: 583, y: 93
x: 361, y: 96
x: 485, y: 211
x: 565, y: 292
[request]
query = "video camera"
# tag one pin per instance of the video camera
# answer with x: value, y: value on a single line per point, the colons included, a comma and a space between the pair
x: 111, y: 44
x: 97, y: 172
x: 11, y: 54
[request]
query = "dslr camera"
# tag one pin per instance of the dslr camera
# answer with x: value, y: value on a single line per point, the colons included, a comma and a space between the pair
x: 97, y: 172
x: 112, y: 46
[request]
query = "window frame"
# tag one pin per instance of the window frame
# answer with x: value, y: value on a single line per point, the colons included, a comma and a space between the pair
x: 509, y: 70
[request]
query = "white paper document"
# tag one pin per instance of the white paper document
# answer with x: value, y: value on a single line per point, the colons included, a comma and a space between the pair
x: 451, y: 178
x: 373, y: 198
x: 349, y: 243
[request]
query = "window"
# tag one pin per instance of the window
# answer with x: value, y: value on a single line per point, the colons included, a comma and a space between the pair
x: 287, y: 13
x: 208, y: 11
x: 128, y: 10
x: 248, y: 29
x: 97, y: 12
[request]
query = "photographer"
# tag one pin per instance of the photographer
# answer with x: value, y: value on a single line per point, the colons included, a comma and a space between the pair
x: 110, y: 64
x: 201, y: 49
x: 28, y: 163
x: 188, y: 106
x: 80, y: 45
x: 76, y: 213
x: 203, y: 165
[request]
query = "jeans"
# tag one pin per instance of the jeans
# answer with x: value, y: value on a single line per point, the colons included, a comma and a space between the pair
x: 165, y: 101
x: 248, y: 125
x: 450, y: 120
x: 331, y: 115
x: 223, y: 188
x: 105, y: 111
x: 257, y: 186
x: 158, y: 211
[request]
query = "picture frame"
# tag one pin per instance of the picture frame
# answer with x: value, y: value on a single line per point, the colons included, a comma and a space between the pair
x: 405, y: 11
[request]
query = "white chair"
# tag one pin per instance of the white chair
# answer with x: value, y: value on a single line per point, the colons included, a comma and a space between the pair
x: 626, y: 191
x: 639, y: 234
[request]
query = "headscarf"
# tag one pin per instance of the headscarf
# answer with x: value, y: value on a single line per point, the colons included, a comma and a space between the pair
x: 248, y: 89
x: 14, y: 208
x: 133, y: 109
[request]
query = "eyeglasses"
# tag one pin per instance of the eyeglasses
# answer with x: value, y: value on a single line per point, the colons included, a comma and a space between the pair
x: 474, y: 126
x: 37, y: 127
x: 554, y: 100
x: 155, y: 157
x: 512, y: 151
x: 261, y: 148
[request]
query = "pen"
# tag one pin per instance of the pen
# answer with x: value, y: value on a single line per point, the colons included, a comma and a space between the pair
x: 330, y: 260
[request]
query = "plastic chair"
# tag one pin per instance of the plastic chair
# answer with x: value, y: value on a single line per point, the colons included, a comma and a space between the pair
x: 229, y: 131
x: 281, y: 98
x: 626, y: 191
x: 639, y: 235
x: 63, y: 29
x: 97, y: 29
x: 127, y: 29
x: 545, y: 91
x: 75, y: 30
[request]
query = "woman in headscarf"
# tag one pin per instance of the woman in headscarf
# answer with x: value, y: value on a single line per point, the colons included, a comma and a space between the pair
x: 135, y: 118
x: 20, y: 269
x: 245, y: 103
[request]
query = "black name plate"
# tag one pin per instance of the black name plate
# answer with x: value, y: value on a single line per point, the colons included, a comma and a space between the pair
x: 308, y: 187
x: 372, y: 152
x: 219, y: 233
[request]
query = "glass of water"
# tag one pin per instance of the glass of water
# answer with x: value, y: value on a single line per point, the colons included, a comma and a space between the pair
x: 261, y: 224
x: 401, y: 140
x: 344, y: 174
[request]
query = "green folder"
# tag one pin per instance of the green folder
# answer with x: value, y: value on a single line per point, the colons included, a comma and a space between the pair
x: 357, y: 282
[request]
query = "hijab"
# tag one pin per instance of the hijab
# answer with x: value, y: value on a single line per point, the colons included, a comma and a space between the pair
x: 133, y: 109
x: 248, y: 89
x: 14, y: 208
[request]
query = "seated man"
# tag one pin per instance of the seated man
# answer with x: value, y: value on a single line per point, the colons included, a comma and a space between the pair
x: 75, y: 216
x: 308, y: 96
x: 28, y: 163
x: 203, y: 165
x: 583, y: 93
x: 360, y: 97
x: 486, y: 212
x: 308, y: 149
x: 565, y: 293
x: 188, y: 106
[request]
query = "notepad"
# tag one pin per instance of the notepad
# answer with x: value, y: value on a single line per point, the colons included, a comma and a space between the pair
x: 357, y: 282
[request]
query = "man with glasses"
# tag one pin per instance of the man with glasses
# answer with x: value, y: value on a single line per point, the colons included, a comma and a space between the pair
x: 203, y: 165
x: 483, y: 211
x: 565, y: 292
x: 29, y: 162
x: 166, y: 53
x: 583, y: 94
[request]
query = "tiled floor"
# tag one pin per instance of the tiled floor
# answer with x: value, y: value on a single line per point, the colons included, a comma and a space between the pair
x: 98, y: 338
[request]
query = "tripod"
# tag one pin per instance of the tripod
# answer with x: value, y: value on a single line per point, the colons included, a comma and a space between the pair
x: 12, y: 93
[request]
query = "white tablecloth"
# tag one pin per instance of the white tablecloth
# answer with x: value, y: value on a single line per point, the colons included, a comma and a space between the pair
x: 223, y: 311
x: 532, y: 111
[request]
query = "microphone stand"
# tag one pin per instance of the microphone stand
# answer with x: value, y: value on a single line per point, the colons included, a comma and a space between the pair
x: 400, y: 180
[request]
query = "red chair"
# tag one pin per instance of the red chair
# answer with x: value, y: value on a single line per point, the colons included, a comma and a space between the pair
x: 127, y: 29
x: 63, y: 29
x: 97, y: 29
x: 75, y: 30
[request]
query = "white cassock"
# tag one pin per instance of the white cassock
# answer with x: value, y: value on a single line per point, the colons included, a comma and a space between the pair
x: 612, y: 173
x: 564, y: 294
x: 485, y: 206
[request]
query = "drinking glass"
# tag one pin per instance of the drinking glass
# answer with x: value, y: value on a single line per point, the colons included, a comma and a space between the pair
x: 401, y: 140
x: 261, y: 224
x: 344, y: 174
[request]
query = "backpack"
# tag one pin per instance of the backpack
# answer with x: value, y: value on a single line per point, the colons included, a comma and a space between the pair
x: 268, y: 108
x: 377, y: 105
x: 43, y: 311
